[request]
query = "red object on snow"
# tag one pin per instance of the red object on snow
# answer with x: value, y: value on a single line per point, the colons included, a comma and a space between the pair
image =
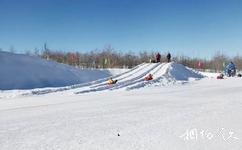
x: 149, y: 77
x: 221, y: 76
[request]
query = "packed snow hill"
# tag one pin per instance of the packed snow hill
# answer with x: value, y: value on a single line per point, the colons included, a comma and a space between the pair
x: 18, y: 71
x: 160, y: 74
x: 145, y: 108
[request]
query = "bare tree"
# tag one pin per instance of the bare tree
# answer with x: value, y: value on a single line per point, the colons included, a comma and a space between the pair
x: 218, y: 61
x: 238, y: 62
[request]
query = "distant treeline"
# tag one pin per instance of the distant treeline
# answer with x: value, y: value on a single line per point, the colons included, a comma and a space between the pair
x: 110, y: 58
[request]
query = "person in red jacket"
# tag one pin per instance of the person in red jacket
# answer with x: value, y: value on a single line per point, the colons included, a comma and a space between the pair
x: 149, y: 77
x: 158, y: 56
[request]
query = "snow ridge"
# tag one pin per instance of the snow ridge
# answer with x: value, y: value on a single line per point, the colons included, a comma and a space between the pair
x: 20, y: 71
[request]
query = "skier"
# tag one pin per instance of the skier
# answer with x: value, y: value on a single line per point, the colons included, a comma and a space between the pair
x: 168, y: 56
x: 149, y: 77
x: 111, y: 81
x: 158, y: 56
x: 230, y: 69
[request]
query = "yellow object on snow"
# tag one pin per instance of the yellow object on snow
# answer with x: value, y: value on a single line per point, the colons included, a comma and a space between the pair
x: 110, y: 81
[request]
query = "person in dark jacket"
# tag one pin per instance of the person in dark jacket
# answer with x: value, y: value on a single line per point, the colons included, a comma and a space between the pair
x: 168, y: 57
x: 158, y: 56
x: 230, y: 69
x: 221, y: 76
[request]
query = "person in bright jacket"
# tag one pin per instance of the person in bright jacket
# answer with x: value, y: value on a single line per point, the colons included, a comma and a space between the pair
x: 111, y: 81
x: 230, y: 69
x: 149, y: 77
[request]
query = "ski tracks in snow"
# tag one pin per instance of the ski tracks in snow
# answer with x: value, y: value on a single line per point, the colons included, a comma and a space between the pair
x: 130, y: 79
x: 78, y: 86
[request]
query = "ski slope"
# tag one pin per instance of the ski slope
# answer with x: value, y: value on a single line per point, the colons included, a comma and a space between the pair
x: 135, y: 78
x: 164, y: 74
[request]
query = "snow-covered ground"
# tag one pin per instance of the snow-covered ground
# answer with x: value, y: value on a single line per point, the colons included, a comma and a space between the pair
x: 174, y: 111
x: 18, y: 71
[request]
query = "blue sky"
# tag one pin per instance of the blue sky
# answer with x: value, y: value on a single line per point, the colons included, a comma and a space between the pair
x: 190, y: 27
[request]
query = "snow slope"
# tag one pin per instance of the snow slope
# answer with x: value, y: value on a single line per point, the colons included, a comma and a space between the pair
x: 180, y: 72
x: 163, y: 74
x: 19, y: 71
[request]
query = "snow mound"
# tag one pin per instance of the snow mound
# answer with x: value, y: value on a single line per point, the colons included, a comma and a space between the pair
x: 182, y: 73
x: 167, y: 74
x: 164, y: 74
x: 18, y: 71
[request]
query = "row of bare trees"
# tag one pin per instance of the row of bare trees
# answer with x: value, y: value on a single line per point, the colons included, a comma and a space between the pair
x: 109, y: 58
x: 106, y: 58
x: 216, y: 64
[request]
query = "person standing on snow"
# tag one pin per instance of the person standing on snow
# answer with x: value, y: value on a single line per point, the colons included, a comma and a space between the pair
x: 158, y: 56
x: 168, y: 57
x: 230, y: 69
